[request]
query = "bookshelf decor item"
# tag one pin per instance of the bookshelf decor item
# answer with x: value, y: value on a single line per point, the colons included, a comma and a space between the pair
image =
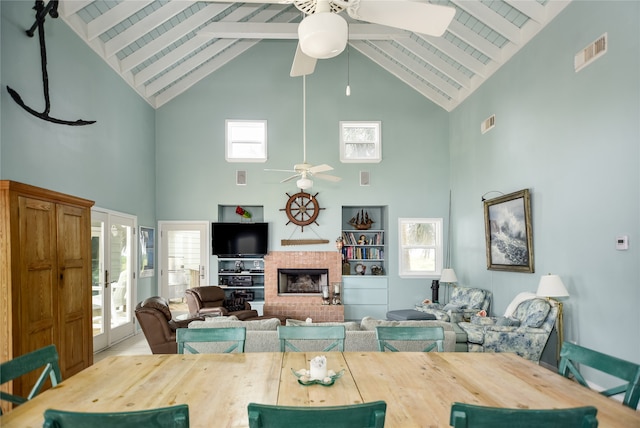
x: 361, y: 221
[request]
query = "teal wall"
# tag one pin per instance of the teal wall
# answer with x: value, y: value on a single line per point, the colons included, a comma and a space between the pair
x: 573, y: 139
x: 110, y: 162
x: 193, y: 177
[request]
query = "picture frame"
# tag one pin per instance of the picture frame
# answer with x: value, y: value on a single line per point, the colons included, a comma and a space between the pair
x: 508, y: 232
x: 147, y: 251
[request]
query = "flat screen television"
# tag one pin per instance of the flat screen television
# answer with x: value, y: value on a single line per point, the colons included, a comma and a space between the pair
x: 240, y: 239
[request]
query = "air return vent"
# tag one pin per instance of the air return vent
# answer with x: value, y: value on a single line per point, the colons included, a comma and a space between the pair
x: 592, y: 52
x: 488, y: 124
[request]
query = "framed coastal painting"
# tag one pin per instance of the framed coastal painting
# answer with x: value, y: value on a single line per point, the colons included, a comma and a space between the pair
x: 508, y: 232
x: 147, y: 251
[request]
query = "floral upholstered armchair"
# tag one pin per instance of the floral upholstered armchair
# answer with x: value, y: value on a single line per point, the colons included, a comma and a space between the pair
x: 464, y: 303
x: 525, y: 332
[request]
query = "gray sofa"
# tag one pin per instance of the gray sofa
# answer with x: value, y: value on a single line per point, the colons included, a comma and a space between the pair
x: 262, y: 335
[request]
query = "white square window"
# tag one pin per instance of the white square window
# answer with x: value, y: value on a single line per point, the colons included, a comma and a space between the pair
x: 246, y: 141
x: 360, y: 142
x: 420, y: 242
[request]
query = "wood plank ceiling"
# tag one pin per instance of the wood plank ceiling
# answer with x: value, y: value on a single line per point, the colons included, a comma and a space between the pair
x: 163, y: 47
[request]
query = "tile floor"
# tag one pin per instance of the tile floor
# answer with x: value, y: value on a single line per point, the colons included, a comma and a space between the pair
x: 135, y: 345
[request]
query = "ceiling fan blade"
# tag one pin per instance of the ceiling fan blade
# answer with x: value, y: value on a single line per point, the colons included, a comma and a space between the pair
x: 320, y: 168
x: 303, y: 64
x: 423, y: 18
x: 290, y: 178
x: 327, y: 177
x: 251, y: 1
x: 280, y: 170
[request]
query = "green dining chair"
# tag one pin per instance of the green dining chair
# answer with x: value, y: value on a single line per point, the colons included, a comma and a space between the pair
x: 164, y: 417
x: 322, y: 332
x: 184, y: 336
x: 366, y: 415
x: 471, y: 416
x: 46, y: 358
x: 386, y: 334
x: 572, y: 355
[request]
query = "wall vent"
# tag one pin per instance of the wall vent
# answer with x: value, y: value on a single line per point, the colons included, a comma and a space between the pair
x: 488, y: 124
x: 241, y: 178
x: 365, y: 178
x: 589, y: 54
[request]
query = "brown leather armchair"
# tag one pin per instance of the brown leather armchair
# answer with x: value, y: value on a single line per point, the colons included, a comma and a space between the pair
x: 211, y: 300
x: 158, y: 327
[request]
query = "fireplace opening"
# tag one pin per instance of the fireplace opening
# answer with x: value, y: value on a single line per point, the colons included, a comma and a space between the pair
x: 302, y: 281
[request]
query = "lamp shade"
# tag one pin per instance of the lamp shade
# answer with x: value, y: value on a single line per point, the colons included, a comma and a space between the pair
x: 304, y: 183
x: 448, y: 275
x: 551, y: 286
x: 323, y: 35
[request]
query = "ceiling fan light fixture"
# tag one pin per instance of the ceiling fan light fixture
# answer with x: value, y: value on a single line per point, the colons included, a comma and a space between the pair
x: 323, y: 35
x: 304, y: 183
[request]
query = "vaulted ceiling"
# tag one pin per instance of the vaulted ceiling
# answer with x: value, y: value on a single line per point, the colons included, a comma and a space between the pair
x: 163, y: 47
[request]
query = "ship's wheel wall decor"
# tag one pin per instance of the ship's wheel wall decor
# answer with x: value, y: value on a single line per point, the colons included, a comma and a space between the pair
x: 302, y: 209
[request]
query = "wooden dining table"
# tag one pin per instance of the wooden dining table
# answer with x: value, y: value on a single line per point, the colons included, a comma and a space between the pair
x: 418, y: 388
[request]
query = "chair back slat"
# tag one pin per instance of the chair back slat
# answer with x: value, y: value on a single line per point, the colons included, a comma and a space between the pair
x: 335, y: 333
x: 472, y: 416
x: 366, y: 415
x: 164, y: 417
x: 572, y: 356
x: 45, y: 358
x: 434, y: 334
x: 186, y: 336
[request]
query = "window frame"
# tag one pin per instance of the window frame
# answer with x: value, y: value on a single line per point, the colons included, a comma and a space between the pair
x: 377, y: 155
x: 407, y: 272
x: 229, y: 143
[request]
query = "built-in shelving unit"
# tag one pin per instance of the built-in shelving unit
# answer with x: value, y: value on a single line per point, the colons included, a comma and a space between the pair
x: 243, y: 277
x: 365, y: 284
x: 364, y: 249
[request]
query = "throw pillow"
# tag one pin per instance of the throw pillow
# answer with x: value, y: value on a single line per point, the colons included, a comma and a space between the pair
x: 348, y: 325
x: 536, y: 312
x: 453, y: 307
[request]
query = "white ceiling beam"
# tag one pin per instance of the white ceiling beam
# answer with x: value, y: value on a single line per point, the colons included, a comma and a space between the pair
x: 425, y: 73
x: 531, y: 8
x: 473, y: 39
x: 289, y: 31
x: 238, y: 48
x: 70, y: 7
x: 140, y: 28
x: 491, y: 19
x: 117, y: 13
x: 435, y: 61
x: 171, y: 36
x: 209, y: 52
x: 455, y: 53
x: 393, y: 68
x: 186, y: 48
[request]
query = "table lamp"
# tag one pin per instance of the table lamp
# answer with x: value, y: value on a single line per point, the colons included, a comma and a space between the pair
x: 448, y: 277
x: 551, y: 287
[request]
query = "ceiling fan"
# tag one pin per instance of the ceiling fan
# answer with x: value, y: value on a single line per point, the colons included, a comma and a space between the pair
x: 305, y: 171
x: 323, y: 33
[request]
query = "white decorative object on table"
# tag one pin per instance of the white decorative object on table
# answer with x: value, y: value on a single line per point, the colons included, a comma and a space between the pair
x: 318, y: 369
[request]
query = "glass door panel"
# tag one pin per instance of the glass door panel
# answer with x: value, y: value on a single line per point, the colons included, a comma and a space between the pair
x: 184, y: 253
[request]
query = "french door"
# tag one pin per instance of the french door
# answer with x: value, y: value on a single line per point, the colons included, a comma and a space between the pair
x: 183, y: 257
x: 113, y: 270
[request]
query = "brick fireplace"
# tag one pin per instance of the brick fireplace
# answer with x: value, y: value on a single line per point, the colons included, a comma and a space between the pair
x: 300, y: 306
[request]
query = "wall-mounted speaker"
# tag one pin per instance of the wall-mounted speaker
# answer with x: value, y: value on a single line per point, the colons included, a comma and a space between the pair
x: 365, y: 178
x: 241, y: 178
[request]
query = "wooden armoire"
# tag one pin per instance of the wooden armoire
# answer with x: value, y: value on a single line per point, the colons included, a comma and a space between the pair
x: 45, y: 277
